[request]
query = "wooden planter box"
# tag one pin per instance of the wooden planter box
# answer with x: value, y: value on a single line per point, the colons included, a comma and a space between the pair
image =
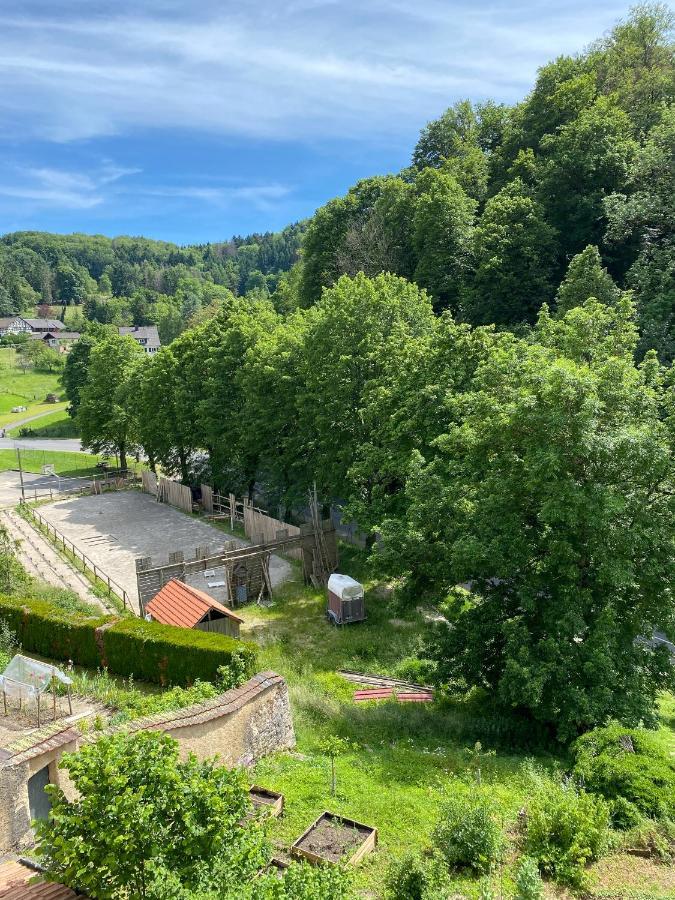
x: 335, y: 839
x: 264, y: 799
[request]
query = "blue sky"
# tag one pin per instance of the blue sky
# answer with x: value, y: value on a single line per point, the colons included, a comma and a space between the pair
x: 191, y: 122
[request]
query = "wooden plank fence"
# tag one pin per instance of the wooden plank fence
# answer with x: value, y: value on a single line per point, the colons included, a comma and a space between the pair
x: 175, y: 494
x: 261, y: 528
x: 149, y: 482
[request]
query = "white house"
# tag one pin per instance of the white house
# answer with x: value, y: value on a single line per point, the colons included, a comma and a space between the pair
x: 146, y: 336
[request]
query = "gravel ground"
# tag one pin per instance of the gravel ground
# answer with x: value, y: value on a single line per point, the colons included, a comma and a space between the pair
x: 116, y: 528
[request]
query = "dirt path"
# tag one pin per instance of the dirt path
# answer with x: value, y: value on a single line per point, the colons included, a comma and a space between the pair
x: 41, y: 560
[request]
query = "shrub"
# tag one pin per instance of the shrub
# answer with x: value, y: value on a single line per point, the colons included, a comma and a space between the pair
x: 170, y: 655
x: 8, y: 645
x: 566, y: 829
x: 629, y: 768
x: 416, y: 877
x: 529, y: 885
x: 147, y: 650
x: 43, y: 628
x: 468, y: 836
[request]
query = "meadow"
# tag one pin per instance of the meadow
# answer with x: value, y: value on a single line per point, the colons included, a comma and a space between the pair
x: 25, y: 387
x: 404, y: 760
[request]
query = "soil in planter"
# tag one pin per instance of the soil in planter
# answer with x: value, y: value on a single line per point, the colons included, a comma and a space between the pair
x: 260, y: 799
x: 333, y: 840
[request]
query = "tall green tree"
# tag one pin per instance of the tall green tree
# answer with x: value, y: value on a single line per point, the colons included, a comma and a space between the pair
x: 105, y: 414
x: 442, y: 230
x: 363, y: 330
x: 641, y: 218
x: 552, y: 498
x: 586, y: 277
x: 513, y: 248
x: 584, y: 162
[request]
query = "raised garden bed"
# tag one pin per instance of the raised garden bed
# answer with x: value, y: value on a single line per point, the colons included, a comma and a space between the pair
x: 335, y: 839
x: 269, y: 801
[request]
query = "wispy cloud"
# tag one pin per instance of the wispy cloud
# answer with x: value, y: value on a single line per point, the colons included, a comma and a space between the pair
x: 279, y: 68
x: 64, y: 189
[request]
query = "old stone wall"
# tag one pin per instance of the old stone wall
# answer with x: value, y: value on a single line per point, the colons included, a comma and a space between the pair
x: 239, y: 727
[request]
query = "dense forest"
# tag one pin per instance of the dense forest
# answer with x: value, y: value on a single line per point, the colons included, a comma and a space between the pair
x: 137, y: 281
x: 473, y: 357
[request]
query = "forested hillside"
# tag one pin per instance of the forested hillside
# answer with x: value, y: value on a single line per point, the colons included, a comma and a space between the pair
x: 473, y: 357
x: 137, y: 281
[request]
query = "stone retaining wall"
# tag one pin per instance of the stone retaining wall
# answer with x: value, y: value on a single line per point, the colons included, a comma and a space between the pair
x: 239, y: 727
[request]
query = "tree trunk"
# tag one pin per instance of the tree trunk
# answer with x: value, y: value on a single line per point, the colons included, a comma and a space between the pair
x: 183, y: 465
x: 123, y: 455
x: 332, y: 777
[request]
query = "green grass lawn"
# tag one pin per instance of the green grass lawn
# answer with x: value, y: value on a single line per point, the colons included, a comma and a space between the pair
x: 24, y: 388
x: 54, y: 424
x: 66, y: 464
x: 406, y: 758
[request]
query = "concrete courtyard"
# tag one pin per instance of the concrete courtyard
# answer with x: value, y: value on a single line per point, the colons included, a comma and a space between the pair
x: 115, y: 528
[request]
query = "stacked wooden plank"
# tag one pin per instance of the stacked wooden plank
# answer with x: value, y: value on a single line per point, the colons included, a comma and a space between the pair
x: 424, y: 696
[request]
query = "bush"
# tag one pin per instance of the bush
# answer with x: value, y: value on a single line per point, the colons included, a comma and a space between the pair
x: 42, y: 627
x: 147, y: 650
x: 170, y: 655
x: 529, y: 885
x: 628, y: 767
x: 566, y: 829
x: 415, y: 877
x: 468, y: 836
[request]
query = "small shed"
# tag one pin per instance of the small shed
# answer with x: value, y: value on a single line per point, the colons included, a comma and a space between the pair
x: 187, y: 607
x: 345, y: 600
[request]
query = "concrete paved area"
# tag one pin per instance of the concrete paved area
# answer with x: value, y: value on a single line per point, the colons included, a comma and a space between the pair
x: 115, y: 528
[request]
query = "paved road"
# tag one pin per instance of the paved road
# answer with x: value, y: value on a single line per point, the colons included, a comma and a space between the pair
x: 60, y: 445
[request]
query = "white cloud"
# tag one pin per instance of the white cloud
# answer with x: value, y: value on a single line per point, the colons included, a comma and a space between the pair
x: 46, y: 187
x: 277, y: 68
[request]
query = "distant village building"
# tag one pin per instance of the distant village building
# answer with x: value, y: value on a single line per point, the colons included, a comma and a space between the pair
x: 187, y: 607
x: 146, y: 336
x: 43, y: 326
x: 61, y: 340
x: 14, y: 325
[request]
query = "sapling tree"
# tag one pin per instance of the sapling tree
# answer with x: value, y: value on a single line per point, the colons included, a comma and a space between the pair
x: 333, y: 747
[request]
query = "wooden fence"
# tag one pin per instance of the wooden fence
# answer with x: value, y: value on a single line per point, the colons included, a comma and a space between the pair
x: 149, y: 482
x: 167, y: 491
x: 261, y: 528
x: 174, y: 493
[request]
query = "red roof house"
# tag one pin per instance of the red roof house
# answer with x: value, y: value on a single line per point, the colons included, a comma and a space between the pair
x: 180, y: 604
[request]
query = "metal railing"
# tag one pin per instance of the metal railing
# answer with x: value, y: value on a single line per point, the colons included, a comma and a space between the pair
x: 68, y: 546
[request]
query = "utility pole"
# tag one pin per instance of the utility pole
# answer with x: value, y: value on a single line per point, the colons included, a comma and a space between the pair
x: 18, y: 456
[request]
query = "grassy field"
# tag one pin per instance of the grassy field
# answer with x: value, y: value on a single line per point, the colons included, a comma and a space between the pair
x: 24, y: 388
x: 405, y: 758
x: 54, y: 424
x: 66, y: 464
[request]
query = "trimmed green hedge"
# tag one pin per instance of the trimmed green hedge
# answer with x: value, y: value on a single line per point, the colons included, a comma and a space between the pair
x: 147, y: 650
x: 170, y: 655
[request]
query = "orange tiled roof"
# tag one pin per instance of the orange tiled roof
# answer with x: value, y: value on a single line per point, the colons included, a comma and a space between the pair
x: 180, y: 604
x: 14, y: 885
